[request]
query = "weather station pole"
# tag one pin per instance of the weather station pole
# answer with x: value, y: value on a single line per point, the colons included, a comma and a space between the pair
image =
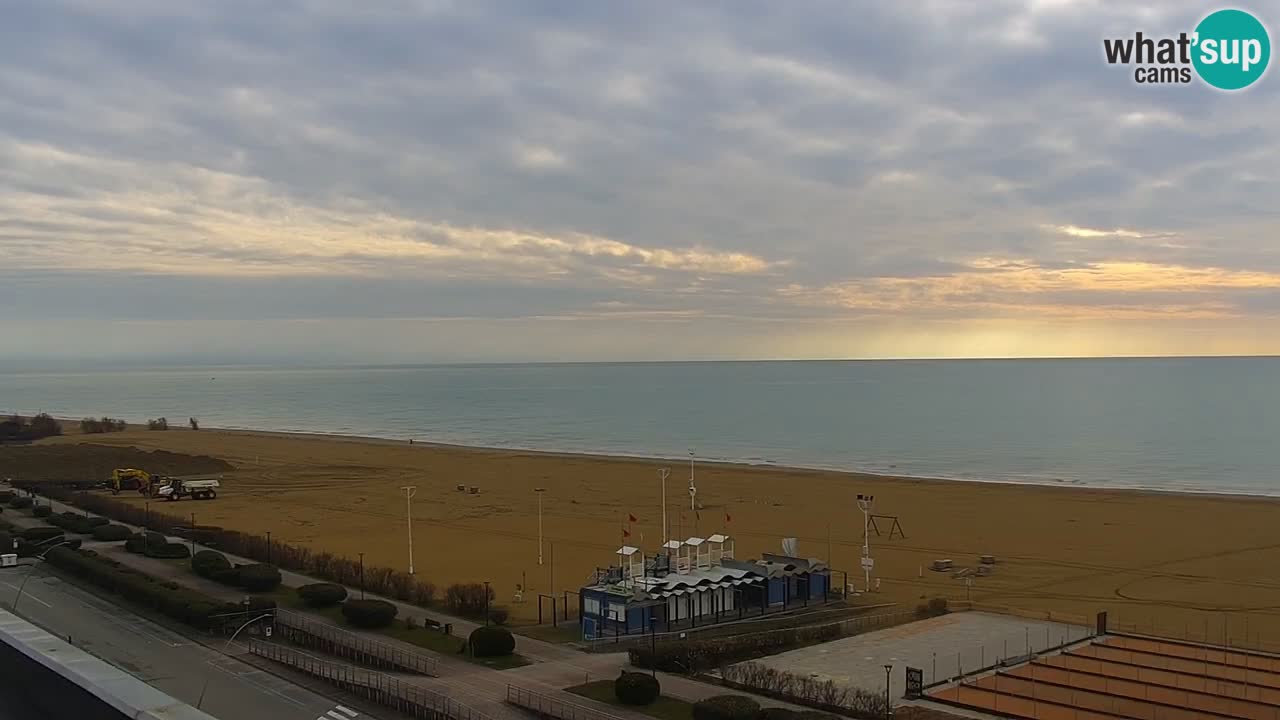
x: 409, y: 492
x: 864, y: 503
x: 539, y: 491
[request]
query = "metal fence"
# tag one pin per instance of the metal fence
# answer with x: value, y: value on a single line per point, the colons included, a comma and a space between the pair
x: 412, y: 700
x: 553, y: 707
x: 301, y: 630
x: 997, y: 651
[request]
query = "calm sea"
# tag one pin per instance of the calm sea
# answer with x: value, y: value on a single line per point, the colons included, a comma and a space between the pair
x: 1174, y: 424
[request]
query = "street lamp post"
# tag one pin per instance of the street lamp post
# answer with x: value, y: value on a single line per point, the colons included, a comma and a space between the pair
x: 225, y: 649
x: 361, y: 576
x: 653, y: 642
x: 486, y: 602
x: 409, y: 492
x: 27, y: 576
x: 539, y: 491
x: 887, y: 712
x: 268, y: 547
x: 663, y: 474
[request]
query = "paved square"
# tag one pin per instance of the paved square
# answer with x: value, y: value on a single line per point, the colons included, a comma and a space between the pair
x: 944, y: 647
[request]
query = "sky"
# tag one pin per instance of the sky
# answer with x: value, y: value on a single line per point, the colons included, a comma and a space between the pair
x: 320, y: 181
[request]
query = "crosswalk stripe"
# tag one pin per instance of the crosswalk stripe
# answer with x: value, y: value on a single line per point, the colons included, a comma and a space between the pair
x: 348, y: 711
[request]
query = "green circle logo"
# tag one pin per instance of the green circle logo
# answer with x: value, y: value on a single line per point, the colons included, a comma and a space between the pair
x: 1232, y: 49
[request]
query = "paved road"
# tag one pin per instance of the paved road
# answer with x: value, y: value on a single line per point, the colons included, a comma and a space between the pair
x: 170, y: 662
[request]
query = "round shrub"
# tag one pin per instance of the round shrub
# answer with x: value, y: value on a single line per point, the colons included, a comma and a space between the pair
x: 492, y: 641
x: 6, y: 495
x: 42, y: 511
x: 21, y: 501
x: 135, y: 544
x: 226, y: 576
x: 369, y: 613
x: 633, y: 688
x: 726, y: 707
x: 112, y: 533
x: 155, y: 538
x: 322, y: 595
x: 206, y: 563
x: 94, y: 522
x: 259, y: 577
x: 6, y: 543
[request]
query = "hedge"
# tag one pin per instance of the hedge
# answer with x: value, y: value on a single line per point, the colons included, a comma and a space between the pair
x: 726, y: 707
x: 6, y: 542
x: 185, y: 605
x: 633, y: 688
x: 369, y: 613
x: 6, y: 496
x: 322, y: 595
x: 40, y: 534
x: 492, y: 641
x: 169, y: 551
x: 42, y: 511
x: 692, y: 656
x: 207, y: 562
x: 777, y: 713
x: 259, y: 577
x: 324, y: 565
x: 21, y: 501
x: 112, y: 533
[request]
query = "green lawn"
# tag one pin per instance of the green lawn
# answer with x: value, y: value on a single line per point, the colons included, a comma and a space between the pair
x: 664, y: 708
x: 433, y: 640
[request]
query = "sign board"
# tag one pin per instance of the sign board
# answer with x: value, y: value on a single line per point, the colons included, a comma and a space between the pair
x: 868, y: 563
x: 915, y: 683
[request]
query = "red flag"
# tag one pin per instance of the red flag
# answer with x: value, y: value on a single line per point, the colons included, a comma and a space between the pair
x: 632, y: 518
x: 626, y: 533
x: 727, y: 519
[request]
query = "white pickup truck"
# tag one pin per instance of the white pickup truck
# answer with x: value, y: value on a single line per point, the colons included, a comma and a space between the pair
x: 202, y: 489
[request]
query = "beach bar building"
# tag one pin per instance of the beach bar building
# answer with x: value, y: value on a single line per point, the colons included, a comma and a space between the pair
x: 691, y: 583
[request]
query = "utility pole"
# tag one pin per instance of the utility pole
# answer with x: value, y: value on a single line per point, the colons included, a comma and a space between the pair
x: 693, y: 490
x: 361, y: 576
x: 409, y: 492
x: 539, y: 491
x: 193, y: 533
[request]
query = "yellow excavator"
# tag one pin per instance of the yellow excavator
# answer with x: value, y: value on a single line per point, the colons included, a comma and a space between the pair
x: 198, y: 487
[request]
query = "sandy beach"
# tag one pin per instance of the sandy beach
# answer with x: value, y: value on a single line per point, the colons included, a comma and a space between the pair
x: 1183, y: 563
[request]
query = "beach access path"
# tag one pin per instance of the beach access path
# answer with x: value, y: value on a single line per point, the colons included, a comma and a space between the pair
x: 553, y: 667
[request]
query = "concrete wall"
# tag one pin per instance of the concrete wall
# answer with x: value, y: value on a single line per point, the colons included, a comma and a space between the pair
x: 59, y: 680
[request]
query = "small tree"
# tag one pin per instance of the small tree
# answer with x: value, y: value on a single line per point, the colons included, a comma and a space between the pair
x: 633, y: 688
x: 194, y: 425
x: 158, y: 424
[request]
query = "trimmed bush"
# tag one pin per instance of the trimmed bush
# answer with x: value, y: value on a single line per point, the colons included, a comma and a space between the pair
x: 369, y: 613
x: 499, y: 615
x: 777, y: 713
x: 726, y: 707
x: 259, y: 577
x: 322, y: 595
x: 6, y: 542
x: 492, y: 641
x: 206, y: 563
x: 40, y: 534
x: 227, y: 576
x: 6, y: 496
x: 112, y: 533
x: 134, y: 544
x: 169, y: 551
x: 42, y: 511
x: 21, y: 501
x: 633, y: 688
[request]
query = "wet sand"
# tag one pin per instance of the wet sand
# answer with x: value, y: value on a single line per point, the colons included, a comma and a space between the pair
x: 1181, y: 563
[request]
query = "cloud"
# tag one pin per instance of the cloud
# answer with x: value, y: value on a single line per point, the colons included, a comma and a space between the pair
x: 737, y: 165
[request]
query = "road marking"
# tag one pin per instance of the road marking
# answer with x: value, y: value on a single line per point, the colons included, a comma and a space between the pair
x: 336, y: 715
x: 258, y: 685
x: 27, y: 594
x: 348, y: 711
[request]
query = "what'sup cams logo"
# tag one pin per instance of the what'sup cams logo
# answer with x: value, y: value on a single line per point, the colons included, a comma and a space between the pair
x: 1229, y: 50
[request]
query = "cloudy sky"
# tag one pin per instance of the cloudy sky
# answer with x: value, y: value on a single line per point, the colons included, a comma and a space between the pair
x: 419, y: 181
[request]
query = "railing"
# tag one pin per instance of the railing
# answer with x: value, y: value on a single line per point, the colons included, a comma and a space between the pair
x: 412, y: 700
x: 301, y: 630
x: 552, y: 707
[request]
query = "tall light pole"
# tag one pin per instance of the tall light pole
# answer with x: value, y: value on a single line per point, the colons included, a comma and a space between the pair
x: 409, y: 492
x: 227, y: 648
x: 887, y: 707
x: 30, y: 568
x: 663, y: 474
x: 539, y: 491
x: 864, y: 503
x: 693, y: 490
